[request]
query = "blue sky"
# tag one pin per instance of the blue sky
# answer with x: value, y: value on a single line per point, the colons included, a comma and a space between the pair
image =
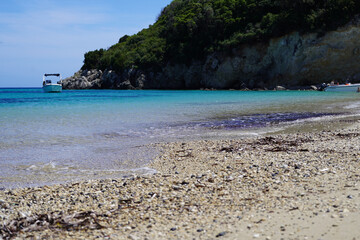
x: 46, y: 36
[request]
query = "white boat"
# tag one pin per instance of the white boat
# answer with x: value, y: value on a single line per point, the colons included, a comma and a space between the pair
x: 343, y: 88
x: 49, y: 86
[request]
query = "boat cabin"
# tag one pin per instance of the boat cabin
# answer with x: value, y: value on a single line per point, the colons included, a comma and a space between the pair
x: 46, y: 82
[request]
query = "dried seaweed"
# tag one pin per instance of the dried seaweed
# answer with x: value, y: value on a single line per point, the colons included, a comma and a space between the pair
x: 76, y: 221
x: 348, y: 135
x: 279, y: 141
x: 228, y: 149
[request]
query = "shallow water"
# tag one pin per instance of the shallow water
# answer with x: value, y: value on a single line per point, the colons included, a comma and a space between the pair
x: 53, y: 138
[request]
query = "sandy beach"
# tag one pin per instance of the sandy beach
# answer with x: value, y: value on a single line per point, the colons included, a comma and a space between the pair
x: 301, y: 185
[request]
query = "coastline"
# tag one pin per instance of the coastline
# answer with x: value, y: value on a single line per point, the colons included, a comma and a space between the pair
x: 299, y: 185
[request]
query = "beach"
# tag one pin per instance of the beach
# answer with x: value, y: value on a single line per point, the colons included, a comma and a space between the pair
x: 299, y: 185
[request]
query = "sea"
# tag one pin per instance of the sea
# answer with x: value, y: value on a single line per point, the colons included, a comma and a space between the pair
x: 51, y: 138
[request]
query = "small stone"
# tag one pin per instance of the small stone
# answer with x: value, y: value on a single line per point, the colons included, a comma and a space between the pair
x: 199, y: 185
x: 184, y: 183
x: 132, y: 237
x: 127, y: 228
x: 221, y: 234
x: 173, y: 229
x: 282, y: 228
x: 350, y: 197
x: 256, y: 235
x: 175, y: 187
x: 123, y: 201
x: 200, y: 230
x: 229, y: 179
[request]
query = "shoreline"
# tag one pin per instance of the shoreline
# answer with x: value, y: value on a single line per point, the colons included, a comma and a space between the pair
x: 215, y: 131
x: 302, y: 185
x: 80, y: 142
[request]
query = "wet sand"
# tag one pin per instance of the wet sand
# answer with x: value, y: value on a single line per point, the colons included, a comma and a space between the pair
x: 299, y: 185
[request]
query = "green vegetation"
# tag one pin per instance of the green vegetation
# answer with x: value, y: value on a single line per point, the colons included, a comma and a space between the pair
x: 190, y: 29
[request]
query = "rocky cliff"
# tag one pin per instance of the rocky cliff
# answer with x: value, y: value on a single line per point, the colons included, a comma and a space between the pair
x: 292, y: 61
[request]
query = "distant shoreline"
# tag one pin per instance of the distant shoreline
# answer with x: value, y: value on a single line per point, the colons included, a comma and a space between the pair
x: 305, y: 88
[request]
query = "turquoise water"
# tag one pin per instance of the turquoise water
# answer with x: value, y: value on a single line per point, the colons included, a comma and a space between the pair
x: 58, y: 137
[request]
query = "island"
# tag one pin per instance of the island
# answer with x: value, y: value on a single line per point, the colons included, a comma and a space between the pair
x: 232, y: 45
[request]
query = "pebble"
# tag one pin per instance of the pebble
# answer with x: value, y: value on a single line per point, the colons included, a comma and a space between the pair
x: 133, y: 237
x: 221, y: 234
x: 175, y: 187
